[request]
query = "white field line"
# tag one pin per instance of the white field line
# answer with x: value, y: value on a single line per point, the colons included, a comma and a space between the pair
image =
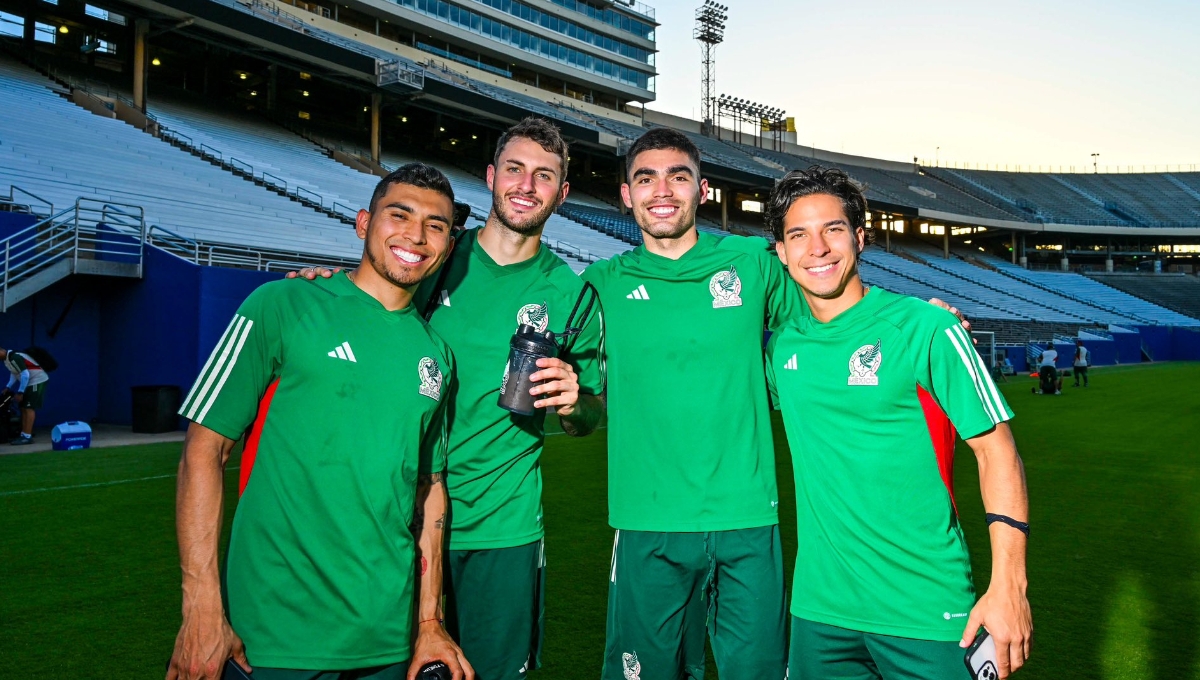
x: 22, y: 492
x: 93, y: 485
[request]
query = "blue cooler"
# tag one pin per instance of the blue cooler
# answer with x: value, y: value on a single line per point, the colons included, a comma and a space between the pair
x: 71, y: 435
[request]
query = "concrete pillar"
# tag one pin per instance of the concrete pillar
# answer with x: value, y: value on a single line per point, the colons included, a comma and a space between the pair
x: 725, y: 209
x: 946, y: 242
x: 1108, y: 264
x: 272, y: 86
x: 376, y: 105
x: 140, y: 28
x: 1066, y: 264
x: 887, y: 236
x: 1014, y: 247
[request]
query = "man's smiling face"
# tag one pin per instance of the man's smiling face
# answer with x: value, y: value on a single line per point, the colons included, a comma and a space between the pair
x: 664, y: 192
x: 819, y: 246
x: 407, y: 233
x: 526, y: 184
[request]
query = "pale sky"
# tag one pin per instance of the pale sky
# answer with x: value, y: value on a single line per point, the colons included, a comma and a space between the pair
x: 1010, y: 81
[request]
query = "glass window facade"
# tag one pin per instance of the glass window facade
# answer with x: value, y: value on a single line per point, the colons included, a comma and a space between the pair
x: 474, y: 22
x: 612, y: 18
x: 567, y: 28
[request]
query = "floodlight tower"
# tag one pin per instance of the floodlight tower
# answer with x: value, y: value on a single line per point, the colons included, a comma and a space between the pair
x: 710, y: 31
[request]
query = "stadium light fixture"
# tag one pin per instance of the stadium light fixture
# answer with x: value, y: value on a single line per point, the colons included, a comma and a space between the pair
x: 305, y: 93
x: 403, y: 119
x: 64, y: 30
x: 242, y: 76
x: 441, y: 129
x: 253, y: 93
x: 710, y: 32
x: 156, y: 62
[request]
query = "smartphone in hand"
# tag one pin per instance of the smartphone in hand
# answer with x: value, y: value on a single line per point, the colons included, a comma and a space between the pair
x: 981, y: 657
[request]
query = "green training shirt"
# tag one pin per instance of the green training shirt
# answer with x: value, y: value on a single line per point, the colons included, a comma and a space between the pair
x: 320, y: 570
x: 494, y: 475
x: 689, y: 431
x: 871, y: 401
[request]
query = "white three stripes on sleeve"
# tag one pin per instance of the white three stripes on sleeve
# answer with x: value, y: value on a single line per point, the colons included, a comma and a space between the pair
x: 985, y: 388
x: 203, y: 396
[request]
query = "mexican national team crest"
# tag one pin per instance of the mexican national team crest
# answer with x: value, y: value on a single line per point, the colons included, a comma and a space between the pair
x: 537, y: 316
x: 431, y: 378
x: 726, y: 289
x: 864, y: 363
x: 633, y: 668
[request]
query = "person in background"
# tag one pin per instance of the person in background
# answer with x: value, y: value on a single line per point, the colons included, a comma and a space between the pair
x: 27, y: 383
x: 1082, y: 359
x: 1048, y: 371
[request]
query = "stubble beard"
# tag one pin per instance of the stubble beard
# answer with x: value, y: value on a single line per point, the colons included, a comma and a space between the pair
x: 379, y: 262
x: 685, y: 220
x: 532, y: 226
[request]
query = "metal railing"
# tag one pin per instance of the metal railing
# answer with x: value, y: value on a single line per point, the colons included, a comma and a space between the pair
x: 89, y: 230
x: 14, y: 198
x: 209, y: 254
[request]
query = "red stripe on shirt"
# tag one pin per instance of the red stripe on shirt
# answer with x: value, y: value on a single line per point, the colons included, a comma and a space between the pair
x: 943, y: 436
x: 250, y: 452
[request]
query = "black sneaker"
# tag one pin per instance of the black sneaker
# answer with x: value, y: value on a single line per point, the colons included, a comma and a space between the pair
x: 21, y: 441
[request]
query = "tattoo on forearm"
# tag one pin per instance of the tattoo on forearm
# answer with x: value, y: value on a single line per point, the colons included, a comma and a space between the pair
x: 441, y: 522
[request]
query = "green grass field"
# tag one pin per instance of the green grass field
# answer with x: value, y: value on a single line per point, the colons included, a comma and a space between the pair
x: 89, y: 572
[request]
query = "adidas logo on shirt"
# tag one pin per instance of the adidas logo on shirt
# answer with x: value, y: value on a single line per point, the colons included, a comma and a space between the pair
x: 791, y: 364
x: 638, y: 293
x: 343, y: 352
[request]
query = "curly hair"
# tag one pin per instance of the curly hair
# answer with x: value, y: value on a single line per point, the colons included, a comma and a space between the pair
x: 817, y: 180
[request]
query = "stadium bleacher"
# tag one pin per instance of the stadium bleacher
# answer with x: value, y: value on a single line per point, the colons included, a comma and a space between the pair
x: 61, y: 152
x: 1135, y: 199
x: 1178, y: 292
x: 896, y: 187
x: 1038, y: 303
x: 1093, y: 293
x: 267, y: 148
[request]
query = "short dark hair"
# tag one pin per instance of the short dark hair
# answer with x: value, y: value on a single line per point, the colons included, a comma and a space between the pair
x: 817, y: 180
x: 419, y: 175
x: 658, y: 139
x: 546, y: 134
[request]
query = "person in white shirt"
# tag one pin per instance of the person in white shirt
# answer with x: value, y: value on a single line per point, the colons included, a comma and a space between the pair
x: 1048, y: 372
x: 1083, y: 358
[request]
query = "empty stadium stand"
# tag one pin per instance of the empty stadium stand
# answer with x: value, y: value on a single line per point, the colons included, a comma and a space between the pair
x: 269, y: 153
x: 1178, y: 292
x: 1093, y: 293
x: 61, y: 152
x: 1136, y: 199
x: 909, y: 189
x: 1037, y: 302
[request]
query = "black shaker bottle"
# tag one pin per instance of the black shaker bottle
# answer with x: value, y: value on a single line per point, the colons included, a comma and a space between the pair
x: 434, y: 671
x: 525, y: 348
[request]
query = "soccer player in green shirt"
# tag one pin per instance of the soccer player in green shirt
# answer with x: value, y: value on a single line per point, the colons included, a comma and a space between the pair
x: 873, y: 386
x: 692, y: 490
x: 501, y: 276
x: 347, y: 388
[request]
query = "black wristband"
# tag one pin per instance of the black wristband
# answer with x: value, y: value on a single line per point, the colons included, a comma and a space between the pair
x: 1022, y: 527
